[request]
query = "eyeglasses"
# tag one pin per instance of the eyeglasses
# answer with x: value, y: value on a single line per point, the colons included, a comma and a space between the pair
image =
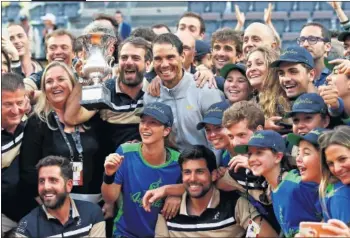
x: 311, y: 39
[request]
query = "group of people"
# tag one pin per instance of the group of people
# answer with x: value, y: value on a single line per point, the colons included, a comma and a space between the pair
x: 230, y: 138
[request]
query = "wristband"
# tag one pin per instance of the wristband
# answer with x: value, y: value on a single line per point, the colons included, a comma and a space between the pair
x: 108, y: 179
x: 344, y: 22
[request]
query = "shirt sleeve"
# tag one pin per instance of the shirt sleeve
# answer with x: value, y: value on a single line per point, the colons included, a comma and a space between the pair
x: 119, y: 175
x: 98, y: 230
x: 30, y: 154
x: 161, y: 227
x: 244, y: 212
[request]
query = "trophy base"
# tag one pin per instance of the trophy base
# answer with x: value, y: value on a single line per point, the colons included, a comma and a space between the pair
x: 96, y: 97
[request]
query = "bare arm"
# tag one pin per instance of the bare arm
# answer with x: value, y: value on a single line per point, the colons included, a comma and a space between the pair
x: 339, y: 11
x: 110, y: 192
x: 268, y: 21
x: 74, y: 113
x: 266, y: 229
x: 240, y: 18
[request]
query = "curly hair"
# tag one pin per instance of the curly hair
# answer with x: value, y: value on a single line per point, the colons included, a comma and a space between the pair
x: 272, y: 97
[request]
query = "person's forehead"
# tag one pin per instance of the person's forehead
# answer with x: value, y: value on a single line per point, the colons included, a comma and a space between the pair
x: 256, y: 30
x: 256, y: 55
x: 311, y: 31
x: 239, y: 127
x: 225, y: 43
x: 15, y: 29
x: 50, y: 171
x: 59, y: 40
x: 187, y: 40
x: 190, y: 21
x: 195, y: 164
x: 130, y: 49
x: 236, y: 73
x: 289, y: 65
x: 164, y: 48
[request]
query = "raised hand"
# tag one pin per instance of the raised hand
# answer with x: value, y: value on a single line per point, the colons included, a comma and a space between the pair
x: 240, y: 18
x: 9, y: 48
x: 113, y: 163
x: 268, y: 14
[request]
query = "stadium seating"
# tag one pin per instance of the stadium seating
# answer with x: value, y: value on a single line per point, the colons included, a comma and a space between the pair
x: 251, y: 17
x: 260, y: 6
x: 284, y: 6
x: 279, y: 21
x: 325, y: 6
x: 289, y: 39
x: 218, y: 7
x: 36, y: 12
x: 12, y: 11
x: 199, y: 7
x: 306, y: 6
x: 243, y: 6
x: 229, y: 20
x: 53, y: 7
x: 71, y: 9
x: 323, y: 17
x: 298, y: 19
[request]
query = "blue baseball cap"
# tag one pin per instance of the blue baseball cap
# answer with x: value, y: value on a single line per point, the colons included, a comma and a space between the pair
x: 264, y: 139
x: 214, y: 114
x: 312, y: 137
x: 159, y: 111
x: 343, y: 35
x: 308, y: 103
x: 202, y: 48
x: 295, y: 54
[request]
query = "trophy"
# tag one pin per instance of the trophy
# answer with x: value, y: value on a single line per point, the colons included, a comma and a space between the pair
x: 96, y: 67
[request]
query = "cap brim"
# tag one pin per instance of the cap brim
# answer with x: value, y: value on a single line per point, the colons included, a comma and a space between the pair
x: 294, y: 139
x: 140, y: 114
x: 209, y: 120
x: 292, y: 113
x: 342, y: 36
x: 276, y: 63
x: 227, y: 69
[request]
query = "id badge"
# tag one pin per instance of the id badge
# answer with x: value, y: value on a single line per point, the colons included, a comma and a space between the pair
x: 77, y: 173
x: 253, y: 229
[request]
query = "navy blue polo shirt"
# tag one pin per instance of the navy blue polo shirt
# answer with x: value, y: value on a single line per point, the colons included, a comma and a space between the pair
x: 83, y: 216
x: 322, y: 79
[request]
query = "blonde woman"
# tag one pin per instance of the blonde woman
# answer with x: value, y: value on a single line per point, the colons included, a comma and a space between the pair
x: 264, y: 81
x: 46, y: 133
x: 335, y: 182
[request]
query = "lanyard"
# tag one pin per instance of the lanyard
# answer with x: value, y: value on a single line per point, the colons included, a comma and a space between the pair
x: 76, y: 138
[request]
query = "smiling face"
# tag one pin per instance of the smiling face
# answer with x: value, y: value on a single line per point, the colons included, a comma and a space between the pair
x: 294, y: 78
x: 216, y: 135
x: 255, y: 35
x: 223, y: 53
x: 60, y: 48
x: 57, y: 85
x: 12, y: 108
x: 53, y: 189
x: 257, y: 69
x: 19, y: 39
x: 261, y: 160
x: 236, y: 87
x: 342, y: 82
x: 132, y: 65
x: 309, y: 162
x: 196, y: 178
x: 151, y: 130
x: 167, y: 63
x: 303, y: 123
x: 338, y: 161
x: 239, y: 133
x: 188, y: 48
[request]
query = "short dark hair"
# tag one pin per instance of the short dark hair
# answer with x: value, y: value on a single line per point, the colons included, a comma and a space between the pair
x: 118, y: 12
x: 103, y: 16
x: 62, y: 162
x: 194, y: 15
x: 228, y: 35
x: 8, y: 61
x: 324, y: 31
x: 11, y: 82
x: 138, y: 42
x: 197, y: 152
x: 157, y: 26
x: 59, y: 32
x: 169, y: 38
x: 144, y: 32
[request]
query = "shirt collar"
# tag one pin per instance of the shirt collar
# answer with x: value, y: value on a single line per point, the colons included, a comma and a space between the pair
x: 180, y: 88
x: 213, y: 203
x: 75, y: 212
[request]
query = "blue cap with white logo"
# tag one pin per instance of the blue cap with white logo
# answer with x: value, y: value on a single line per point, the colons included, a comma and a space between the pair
x: 308, y: 103
x: 312, y: 137
x: 214, y: 114
x: 264, y: 139
x: 159, y: 111
x: 295, y: 54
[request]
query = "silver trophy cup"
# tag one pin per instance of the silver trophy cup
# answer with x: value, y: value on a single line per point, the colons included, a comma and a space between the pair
x: 96, y: 68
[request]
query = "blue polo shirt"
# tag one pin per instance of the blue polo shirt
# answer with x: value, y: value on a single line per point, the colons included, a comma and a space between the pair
x: 136, y: 176
x: 83, y: 216
x: 322, y: 79
x: 337, y: 202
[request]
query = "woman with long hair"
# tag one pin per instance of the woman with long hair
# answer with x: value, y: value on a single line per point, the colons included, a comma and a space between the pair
x: 293, y: 200
x: 335, y: 183
x: 46, y: 133
x: 264, y: 81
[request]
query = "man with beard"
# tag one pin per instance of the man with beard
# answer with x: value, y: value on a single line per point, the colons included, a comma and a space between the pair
x: 178, y: 90
x: 206, y: 211
x: 60, y: 215
x: 316, y: 39
x: 120, y: 124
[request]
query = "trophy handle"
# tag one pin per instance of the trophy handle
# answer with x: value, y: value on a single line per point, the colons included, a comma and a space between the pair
x: 111, y: 61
